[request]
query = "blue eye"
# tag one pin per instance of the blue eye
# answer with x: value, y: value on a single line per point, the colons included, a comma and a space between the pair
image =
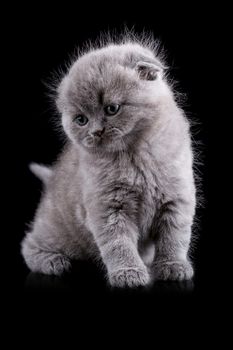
x: 111, y: 109
x: 81, y: 120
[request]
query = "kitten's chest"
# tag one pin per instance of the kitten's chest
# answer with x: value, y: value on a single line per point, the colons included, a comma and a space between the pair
x: 141, y: 175
x: 131, y: 182
x: 148, y: 181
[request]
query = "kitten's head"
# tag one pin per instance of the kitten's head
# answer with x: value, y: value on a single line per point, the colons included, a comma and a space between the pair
x: 111, y: 96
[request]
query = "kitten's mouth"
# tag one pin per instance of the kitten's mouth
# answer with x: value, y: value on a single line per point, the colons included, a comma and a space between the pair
x: 91, y: 142
x: 106, y: 140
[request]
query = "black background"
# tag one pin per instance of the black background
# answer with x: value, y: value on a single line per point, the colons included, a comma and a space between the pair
x: 40, y: 40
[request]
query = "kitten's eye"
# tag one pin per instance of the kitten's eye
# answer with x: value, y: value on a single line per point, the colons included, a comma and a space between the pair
x: 81, y: 120
x: 112, y: 109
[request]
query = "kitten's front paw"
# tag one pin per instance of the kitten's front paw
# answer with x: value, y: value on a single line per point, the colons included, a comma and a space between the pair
x: 173, y: 270
x: 129, y: 277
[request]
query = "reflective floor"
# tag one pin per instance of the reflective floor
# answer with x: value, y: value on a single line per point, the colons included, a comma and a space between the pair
x: 86, y: 278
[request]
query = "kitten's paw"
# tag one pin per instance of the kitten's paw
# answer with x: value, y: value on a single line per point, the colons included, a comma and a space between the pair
x: 48, y: 263
x: 55, y: 264
x: 129, y: 277
x: 173, y: 270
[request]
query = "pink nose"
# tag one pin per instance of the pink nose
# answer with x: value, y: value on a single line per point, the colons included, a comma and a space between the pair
x: 98, y: 132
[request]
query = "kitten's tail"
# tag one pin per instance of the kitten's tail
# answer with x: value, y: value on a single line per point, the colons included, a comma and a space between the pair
x: 43, y: 172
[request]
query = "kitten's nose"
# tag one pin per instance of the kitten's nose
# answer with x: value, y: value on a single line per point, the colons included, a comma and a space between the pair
x: 98, y: 132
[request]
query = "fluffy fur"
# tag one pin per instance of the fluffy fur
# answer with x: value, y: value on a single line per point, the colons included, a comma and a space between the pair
x: 122, y: 192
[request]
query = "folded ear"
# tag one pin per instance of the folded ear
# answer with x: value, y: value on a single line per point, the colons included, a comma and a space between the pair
x: 148, y: 70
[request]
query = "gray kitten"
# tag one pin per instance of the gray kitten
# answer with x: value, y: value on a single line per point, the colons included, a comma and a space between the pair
x: 122, y: 191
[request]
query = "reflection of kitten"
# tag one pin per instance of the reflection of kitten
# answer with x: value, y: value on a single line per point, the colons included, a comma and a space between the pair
x: 123, y: 189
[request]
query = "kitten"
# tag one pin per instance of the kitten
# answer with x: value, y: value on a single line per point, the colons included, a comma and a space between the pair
x: 122, y: 191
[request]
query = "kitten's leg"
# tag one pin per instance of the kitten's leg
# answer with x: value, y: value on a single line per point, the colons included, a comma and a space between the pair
x: 124, y: 265
x: 43, y: 248
x: 116, y: 236
x: 172, y: 241
x: 48, y: 248
x: 40, y: 260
